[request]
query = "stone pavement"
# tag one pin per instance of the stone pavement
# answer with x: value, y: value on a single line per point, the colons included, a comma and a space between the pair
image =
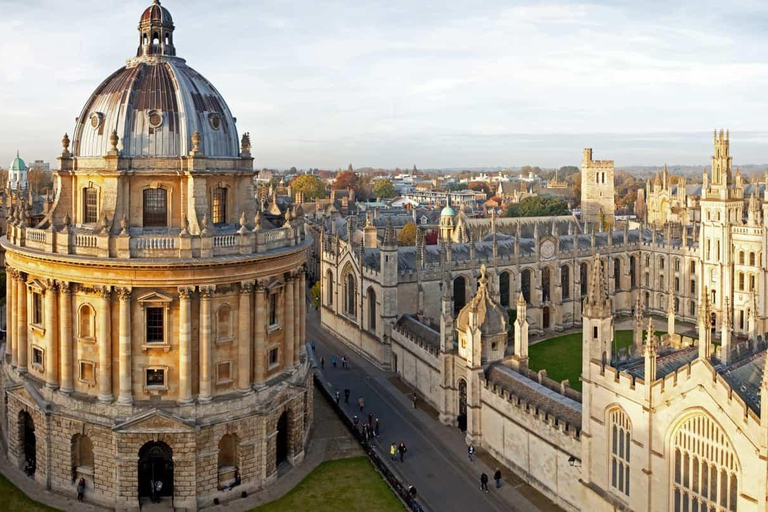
x: 330, y: 440
x: 436, y: 462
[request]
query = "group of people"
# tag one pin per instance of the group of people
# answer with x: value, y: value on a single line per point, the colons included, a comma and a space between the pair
x: 396, y: 450
x: 484, y: 480
x: 371, y: 428
x: 334, y: 361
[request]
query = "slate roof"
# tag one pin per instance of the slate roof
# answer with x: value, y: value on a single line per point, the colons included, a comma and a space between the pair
x: 551, y: 402
x: 666, y: 363
x: 746, y: 377
x: 411, y: 325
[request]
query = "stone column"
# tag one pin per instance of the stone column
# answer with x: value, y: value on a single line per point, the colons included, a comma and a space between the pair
x: 296, y: 319
x: 244, y: 338
x: 125, y: 348
x: 260, y: 338
x: 10, y: 314
x: 303, y: 321
x: 65, y: 337
x: 105, y: 344
x: 185, y: 344
x: 21, y: 322
x: 288, y: 328
x: 206, y: 348
x: 51, y: 335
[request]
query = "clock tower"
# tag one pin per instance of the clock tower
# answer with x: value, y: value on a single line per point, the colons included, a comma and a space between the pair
x: 722, y: 205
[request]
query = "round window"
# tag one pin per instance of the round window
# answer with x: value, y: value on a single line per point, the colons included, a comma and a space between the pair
x: 96, y: 119
x: 155, y: 118
x: 215, y: 121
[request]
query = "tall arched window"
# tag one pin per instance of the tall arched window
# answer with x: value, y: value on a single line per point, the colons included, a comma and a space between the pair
x: 632, y: 270
x: 82, y: 456
x: 227, y: 459
x: 584, y: 277
x: 546, y: 284
x: 504, y: 287
x: 741, y: 281
x: 155, y: 208
x: 329, y: 288
x: 459, y: 294
x: 86, y: 322
x: 617, y: 273
x: 350, y: 294
x: 525, y: 285
x: 90, y: 205
x: 752, y: 259
x: 371, y: 309
x: 621, y: 435
x: 565, y: 281
x: 219, y: 205
x: 693, y: 268
x: 741, y: 257
x: 706, y: 469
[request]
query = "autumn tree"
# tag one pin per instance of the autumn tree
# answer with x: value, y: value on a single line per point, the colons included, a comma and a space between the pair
x: 312, y: 187
x: 480, y: 186
x: 407, y: 235
x: 345, y: 180
x: 384, y: 189
x: 316, y: 292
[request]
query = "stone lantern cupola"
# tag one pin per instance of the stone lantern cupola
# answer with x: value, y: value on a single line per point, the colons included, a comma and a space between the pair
x: 482, y: 326
x: 156, y: 31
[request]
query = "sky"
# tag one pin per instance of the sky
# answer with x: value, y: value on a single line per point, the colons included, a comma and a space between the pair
x: 436, y: 84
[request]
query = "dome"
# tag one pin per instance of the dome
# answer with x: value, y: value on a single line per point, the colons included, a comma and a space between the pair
x: 156, y: 103
x: 17, y: 164
x: 447, y: 212
x: 490, y: 317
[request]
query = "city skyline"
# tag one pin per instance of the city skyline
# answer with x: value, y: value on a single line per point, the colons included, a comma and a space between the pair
x: 324, y: 85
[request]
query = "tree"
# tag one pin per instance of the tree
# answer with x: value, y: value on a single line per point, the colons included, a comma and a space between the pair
x: 480, y: 186
x: 456, y: 187
x: 312, y: 187
x: 384, y: 189
x: 316, y: 292
x: 538, y: 206
x: 345, y: 180
x: 407, y: 235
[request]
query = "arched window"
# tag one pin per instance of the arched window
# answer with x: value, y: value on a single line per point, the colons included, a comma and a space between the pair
x: 219, y: 205
x: 371, y: 309
x: 677, y: 305
x: 706, y: 469
x: 525, y: 285
x: 329, y: 288
x: 227, y: 460
x: 86, y: 322
x: 546, y: 284
x: 459, y: 294
x: 692, y: 308
x: 617, y: 273
x: 90, y: 205
x: 677, y: 264
x: 661, y: 262
x: 752, y: 259
x: 504, y: 287
x: 621, y: 436
x: 224, y: 323
x: 714, y: 296
x: 677, y: 284
x: 741, y: 281
x: 155, y: 208
x: 565, y: 281
x: 632, y: 271
x: 693, y: 268
x: 82, y: 456
x: 350, y: 293
x: 693, y: 287
x: 583, y: 275
x: 751, y: 282
x: 741, y: 257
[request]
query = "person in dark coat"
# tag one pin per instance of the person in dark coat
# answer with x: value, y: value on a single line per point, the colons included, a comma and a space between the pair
x: 497, y: 477
x: 81, y: 489
x: 401, y: 450
x: 346, y: 395
x: 376, y: 428
x: 484, y: 482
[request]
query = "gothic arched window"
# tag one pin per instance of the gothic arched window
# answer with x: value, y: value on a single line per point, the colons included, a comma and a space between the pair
x: 621, y: 435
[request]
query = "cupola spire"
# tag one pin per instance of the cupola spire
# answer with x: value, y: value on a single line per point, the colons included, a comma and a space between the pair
x: 156, y: 32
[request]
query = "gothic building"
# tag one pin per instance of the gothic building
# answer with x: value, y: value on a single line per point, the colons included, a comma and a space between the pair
x: 156, y: 316
x: 672, y: 423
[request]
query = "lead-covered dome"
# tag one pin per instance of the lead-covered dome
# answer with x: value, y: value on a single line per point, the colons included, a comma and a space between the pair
x: 156, y: 103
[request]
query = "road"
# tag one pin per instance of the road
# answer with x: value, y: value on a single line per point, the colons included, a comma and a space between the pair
x: 436, y: 461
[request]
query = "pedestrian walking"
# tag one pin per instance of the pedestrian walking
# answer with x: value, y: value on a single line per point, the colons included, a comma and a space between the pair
x: 344, y: 362
x: 81, y: 489
x: 338, y: 398
x: 322, y: 363
x: 415, y: 397
x: 471, y: 453
x: 367, y: 432
x: 152, y: 496
x: 158, y: 489
x: 355, y: 421
x: 346, y: 395
x: 393, y: 452
x: 376, y: 428
x: 313, y: 345
x: 484, y: 482
x: 402, y: 449
x: 370, y: 418
x: 361, y: 403
x: 333, y: 361
x: 497, y: 477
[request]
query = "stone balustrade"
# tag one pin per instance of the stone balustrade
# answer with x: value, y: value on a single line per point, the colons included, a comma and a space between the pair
x: 83, y: 242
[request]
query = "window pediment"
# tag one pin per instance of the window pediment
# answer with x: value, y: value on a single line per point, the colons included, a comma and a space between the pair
x: 36, y: 286
x: 154, y: 298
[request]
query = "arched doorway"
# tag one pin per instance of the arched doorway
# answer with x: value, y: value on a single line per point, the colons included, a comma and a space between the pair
x: 28, y: 443
x: 281, y: 447
x: 155, y: 464
x: 462, y: 417
x: 545, y: 318
x: 459, y: 294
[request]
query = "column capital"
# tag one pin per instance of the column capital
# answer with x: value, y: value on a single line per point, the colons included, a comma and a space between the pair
x: 105, y: 292
x: 261, y: 285
x: 206, y: 292
x: 247, y: 287
x: 51, y: 284
x: 124, y: 294
x: 65, y: 287
x: 185, y: 292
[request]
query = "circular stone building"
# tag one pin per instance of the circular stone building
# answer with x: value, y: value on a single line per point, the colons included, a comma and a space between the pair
x: 156, y: 325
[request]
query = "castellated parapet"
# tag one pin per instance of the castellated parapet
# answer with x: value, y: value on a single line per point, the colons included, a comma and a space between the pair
x: 596, y: 189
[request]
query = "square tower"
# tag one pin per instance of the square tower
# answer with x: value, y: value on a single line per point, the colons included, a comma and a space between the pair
x: 596, y: 189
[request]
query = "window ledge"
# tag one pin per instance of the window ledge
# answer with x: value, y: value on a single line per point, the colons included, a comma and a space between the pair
x: 225, y: 341
x: 86, y: 340
x: 38, y: 367
x: 155, y: 389
x: 273, y: 366
x: 89, y: 383
x: 38, y: 328
x: 165, y: 347
x: 224, y: 382
x: 274, y: 327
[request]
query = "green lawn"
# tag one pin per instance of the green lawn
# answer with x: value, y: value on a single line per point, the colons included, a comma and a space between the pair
x: 561, y: 356
x: 351, y: 485
x: 17, y: 501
